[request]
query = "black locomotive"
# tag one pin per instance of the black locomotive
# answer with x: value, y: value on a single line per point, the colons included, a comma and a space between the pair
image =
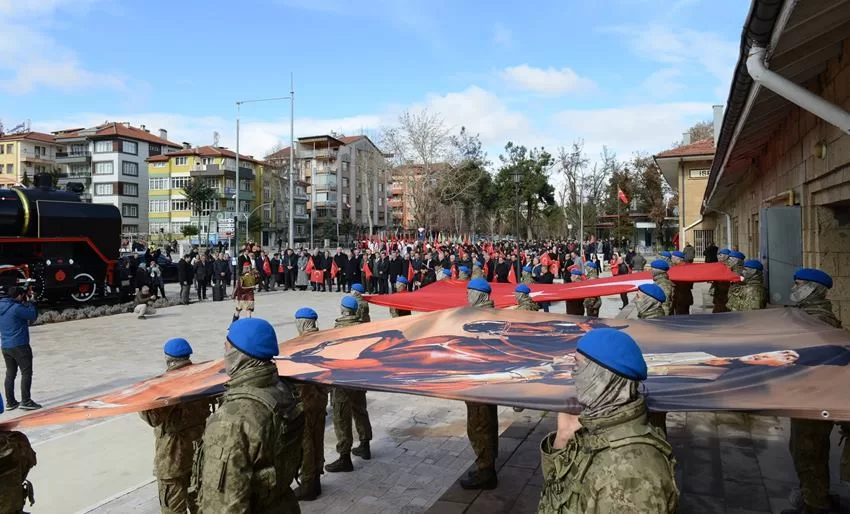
x: 64, y: 250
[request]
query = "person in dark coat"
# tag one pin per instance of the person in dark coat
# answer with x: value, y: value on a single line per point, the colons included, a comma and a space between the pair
x: 710, y: 252
x: 545, y: 277
x: 142, y: 277
x: 382, y: 267
x: 221, y: 273
x: 185, y: 275
x: 277, y: 276
x: 352, y: 270
x: 341, y: 260
x: 290, y: 269
x: 503, y: 269
x: 201, y: 277
x: 623, y: 269
x: 396, y: 266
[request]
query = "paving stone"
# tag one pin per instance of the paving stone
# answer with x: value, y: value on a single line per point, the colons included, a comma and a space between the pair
x: 701, y: 504
x: 527, y: 455
x: 741, y: 466
x: 746, y: 496
x: 447, y: 507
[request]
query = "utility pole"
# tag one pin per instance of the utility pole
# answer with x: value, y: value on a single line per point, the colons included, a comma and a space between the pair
x: 291, y: 160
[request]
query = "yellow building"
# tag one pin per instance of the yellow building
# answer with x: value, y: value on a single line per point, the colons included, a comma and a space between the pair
x: 26, y: 154
x: 169, y: 211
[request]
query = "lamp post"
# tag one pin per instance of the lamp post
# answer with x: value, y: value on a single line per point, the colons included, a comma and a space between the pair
x: 517, y: 178
x: 291, y: 99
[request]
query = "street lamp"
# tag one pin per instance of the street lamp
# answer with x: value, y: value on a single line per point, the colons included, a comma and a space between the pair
x: 291, y: 99
x: 517, y: 178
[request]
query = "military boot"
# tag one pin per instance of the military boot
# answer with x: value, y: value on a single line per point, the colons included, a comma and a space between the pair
x: 805, y: 509
x: 235, y: 318
x: 342, y: 464
x: 363, y: 451
x: 480, y: 479
x: 309, y: 490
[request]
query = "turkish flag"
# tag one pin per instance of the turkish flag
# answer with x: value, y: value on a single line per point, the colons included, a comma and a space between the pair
x: 317, y: 275
x: 622, y: 196
x: 366, y: 270
x: 454, y: 272
x: 334, y: 269
x: 545, y: 260
x: 512, y: 274
x: 486, y: 270
x: 410, y: 271
x: 309, y: 268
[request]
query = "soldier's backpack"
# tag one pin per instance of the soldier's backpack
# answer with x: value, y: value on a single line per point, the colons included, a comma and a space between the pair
x: 17, y: 458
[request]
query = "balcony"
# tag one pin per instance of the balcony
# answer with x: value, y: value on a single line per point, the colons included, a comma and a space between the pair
x: 35, y: 158
x: 301, y: 196
x: 73, y: 157
x: 327, y: 186
x: 214, y: 170
x: 397, y: 191
x: 325, y: 203
x: 302, y: 216
x: 395, y: 202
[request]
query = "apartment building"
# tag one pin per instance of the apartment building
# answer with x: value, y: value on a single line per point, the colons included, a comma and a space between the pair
x: 168, y: 174
x: 276, y: 188
x: 109, y: 160
x: 24, y: 154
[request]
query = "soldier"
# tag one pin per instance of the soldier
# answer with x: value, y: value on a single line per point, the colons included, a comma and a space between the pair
x: 400, y: 287
x: 527, y: 277
x: 442, y: 275
x: 463, y: 273
x: 17, y: 458
x: 476, y: 270
x: 810, y: 439
x: 576, y: 307
x: 666, y: 256
x: 649, y: 301
x: 720, y: 289
x: 251, y: 448
x: 314, y: 402
x: 659, y: 269
x: 349, y: 403
x: 482, y: 420
x: 590, y: 463
x: 177, y: 428
x: 594, y: 303
x: 357, y: 291
x: 523, y: 299
x: 683, y: 296
x: 751, y: 294
x: 736, y: 265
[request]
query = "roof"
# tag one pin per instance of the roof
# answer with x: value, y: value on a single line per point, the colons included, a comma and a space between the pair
x: 753, y: 113
x: 701, y: 147
x: 116, y: 129
x: 351, y: 139
x: 32, y: 136
x: 283, y: 153
x: 203, y: 151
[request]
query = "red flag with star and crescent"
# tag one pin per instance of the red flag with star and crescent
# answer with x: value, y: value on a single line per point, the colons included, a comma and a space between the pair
x: 622, y: 196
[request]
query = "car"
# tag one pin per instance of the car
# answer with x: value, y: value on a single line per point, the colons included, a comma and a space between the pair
x: 169, y: 268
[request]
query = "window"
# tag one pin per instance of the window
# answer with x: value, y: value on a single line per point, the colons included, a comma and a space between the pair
x: 130, y: 147
x: 131, y: 169
x: 78, y: 149
x: 179, y: 205
x: 158, y: 228
x: 103, y: 189
x: 154, y: 149
x: 245, y: 205
x: 208, y: 160
x: 159, y: 165
x: 380, y: 202
x: 130, y: 229
x: 344, y: 182
x: 2, y: 149
x: 299, y: 229
x: 177, y: 226
x: 180, y: 182
x: 130, y: 210
x: 380, y: 188
x: 206, y: 208
x: 345, y: 199
x: 158, y: 206
x: 300, y: 209
x: 40, y: 151
x: 180, y: 161
x: 102, y: 146
x: 9, y: 148
x: 79, y: 170
x: 701, y: 240
x: 103, y: 168
x: 10, y: 168
x: 129, y: 189
x: 229, y: 183
x: 244, y: 185
x: 158, y: 183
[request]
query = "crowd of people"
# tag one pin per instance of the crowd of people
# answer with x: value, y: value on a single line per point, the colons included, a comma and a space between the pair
x: 242, y: 451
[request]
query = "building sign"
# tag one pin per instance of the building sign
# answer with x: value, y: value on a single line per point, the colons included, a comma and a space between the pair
x: 700, y: 173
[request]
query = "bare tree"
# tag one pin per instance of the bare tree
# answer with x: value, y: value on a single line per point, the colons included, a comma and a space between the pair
x: 573, y: 164
x: 370, y: 170
x: 419, y: 148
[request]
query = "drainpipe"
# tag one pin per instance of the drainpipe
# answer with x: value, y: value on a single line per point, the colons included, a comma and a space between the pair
x: 798, y: 95
x: 728, y: 223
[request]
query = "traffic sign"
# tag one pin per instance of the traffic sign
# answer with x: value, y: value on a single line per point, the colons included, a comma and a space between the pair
x: 226, y: 225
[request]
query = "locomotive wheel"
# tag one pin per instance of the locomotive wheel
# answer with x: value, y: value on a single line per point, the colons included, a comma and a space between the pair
x: 86, y: 287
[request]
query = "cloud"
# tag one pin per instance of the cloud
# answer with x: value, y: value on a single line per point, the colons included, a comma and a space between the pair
x: 663, y: 83
x: 502, y: 36
x: 30, y: 59
x: 549, y: 81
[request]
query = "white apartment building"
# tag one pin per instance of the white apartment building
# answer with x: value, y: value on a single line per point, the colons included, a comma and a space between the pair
x: 110, y: 161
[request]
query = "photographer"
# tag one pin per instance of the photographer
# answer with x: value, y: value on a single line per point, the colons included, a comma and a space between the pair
x: 16, y: 312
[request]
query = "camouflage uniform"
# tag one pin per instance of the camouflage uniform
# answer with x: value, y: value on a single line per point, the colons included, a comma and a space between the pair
x: 594, y: 303
x: 526, y: 278
x: 663, y: 281
x: 17, y: 458
x: 177, y: 428
x: 616, y: 463
x: 462, y: 275
x: 810, y: 439
x: 525, y: 303
x: 477, y: 273
x: 314, y: 402
x: 736, y: 266
x: 251, y: 448
x: 650, y: 308
x: 362, y: 308
x: 347, y: 404
x: 750, y: 295
x: 396, y: 313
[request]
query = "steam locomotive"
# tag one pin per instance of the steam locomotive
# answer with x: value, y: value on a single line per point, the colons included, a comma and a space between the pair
x: 63, y: 250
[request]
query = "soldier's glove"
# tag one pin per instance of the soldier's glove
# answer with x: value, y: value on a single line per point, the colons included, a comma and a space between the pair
x: 29, y: 492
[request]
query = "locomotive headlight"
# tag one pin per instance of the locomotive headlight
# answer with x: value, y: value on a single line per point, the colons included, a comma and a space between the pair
x: 48, y: 262
x: 71, y: 262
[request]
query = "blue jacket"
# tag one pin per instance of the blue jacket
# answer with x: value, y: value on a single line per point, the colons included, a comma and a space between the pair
x: 14, y: 322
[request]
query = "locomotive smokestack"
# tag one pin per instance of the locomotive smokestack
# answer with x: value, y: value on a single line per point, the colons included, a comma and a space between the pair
x: 43, y: 181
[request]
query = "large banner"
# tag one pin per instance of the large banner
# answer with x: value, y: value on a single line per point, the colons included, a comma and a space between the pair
x: 778, y: 361
x: 446, y: 294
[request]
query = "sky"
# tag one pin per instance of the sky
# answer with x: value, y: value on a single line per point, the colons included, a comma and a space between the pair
x: 631, y: 75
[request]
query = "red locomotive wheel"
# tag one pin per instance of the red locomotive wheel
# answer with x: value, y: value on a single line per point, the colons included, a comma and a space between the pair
x: 86, y: 288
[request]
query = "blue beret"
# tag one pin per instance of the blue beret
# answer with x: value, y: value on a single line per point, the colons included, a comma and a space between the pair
x: 2, y: 408
x: 306, y: 313
x: 666, y: 254
x: 654, y: 291
x: 401, y: 280
x: 615, y: 351
x: 358, y: 287
x: 177, y: 347
x: 725, y: 251
x: 590, y: 264
x: 576, y: 271
x: 479, y: 284
x: 659, y: 264
x: 349, y: 302
x: 678, y: 254
x: 464, y: 269
x: 527, y: 269
x: 754, y: 264
x: 447, y: 272
x: 522, y: 288
x: 738, y: 255
x: 814, y: 275
x: 254, y: 337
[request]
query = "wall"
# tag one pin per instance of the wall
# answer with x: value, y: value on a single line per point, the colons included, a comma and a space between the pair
x: 821, y: 186
x: 691, y: 193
